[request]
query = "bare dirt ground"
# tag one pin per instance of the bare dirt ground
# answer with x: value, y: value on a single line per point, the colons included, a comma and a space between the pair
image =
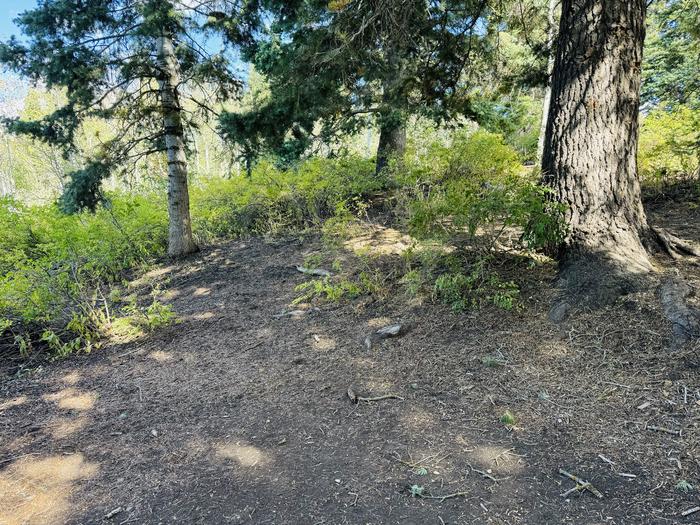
x: 236, y: 416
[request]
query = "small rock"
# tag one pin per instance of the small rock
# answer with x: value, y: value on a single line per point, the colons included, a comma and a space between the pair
x: 154, y: 433
x: 314, y: 271
x: 391, y: 330
x: 559, y: 311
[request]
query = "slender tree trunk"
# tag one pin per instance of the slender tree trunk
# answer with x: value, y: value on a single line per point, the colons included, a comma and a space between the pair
x: 590, y: 148
x: 551, y: 32
x: 180, y: 240
x: 392, y: 143
x: 7, y: 186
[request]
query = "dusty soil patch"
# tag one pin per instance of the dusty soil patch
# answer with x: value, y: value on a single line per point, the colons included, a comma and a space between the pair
x: 237, y: 416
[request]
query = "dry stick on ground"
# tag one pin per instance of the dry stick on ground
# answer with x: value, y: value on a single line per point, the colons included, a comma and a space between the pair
x: 664, y: 429
x: 607, y: 460
x: 416, y: 463
x: 446, y: 496
x: 356, y: 399
x: 486, y: 474
x: 580, y: 484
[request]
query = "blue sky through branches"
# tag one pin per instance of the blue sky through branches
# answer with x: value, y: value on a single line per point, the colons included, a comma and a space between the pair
x: 8, y: 12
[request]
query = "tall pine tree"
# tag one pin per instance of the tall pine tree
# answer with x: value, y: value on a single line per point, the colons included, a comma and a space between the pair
x: 336, y: 67
x: 134, y: 63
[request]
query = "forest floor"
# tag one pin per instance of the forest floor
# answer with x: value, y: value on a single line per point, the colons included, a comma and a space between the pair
x: 238, y: 415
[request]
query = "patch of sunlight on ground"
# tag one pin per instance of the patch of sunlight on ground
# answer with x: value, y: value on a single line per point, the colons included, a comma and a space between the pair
x: 38, y: 491
x: 500, y: 459
x: 364, y: 362
x: 379, y: 240
x: 263, y: 332
x: 71, y: 378
x: 160, y: 356
x: 169, y: 295
x: 379, y: 322
x: 244, y: 455
x: 202, y: 316
x: 555, y: 350
x: 418, y: 419
x: 71, y: 399
x: 17, y: 401
x: 322, y: 343
x: 65, y: 427
x: 153, y: 274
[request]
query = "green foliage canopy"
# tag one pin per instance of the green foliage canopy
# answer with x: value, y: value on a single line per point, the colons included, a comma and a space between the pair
x: 336, y: 67
x: 102, y: 52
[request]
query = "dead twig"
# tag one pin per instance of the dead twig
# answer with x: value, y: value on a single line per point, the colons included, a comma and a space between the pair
x: 664, y: 429
x: 486, y: 474
x: 356, y: 399
x: 607, y: 460
x: 113, y: 513
x: 581, y: 484
x: 446, y: 496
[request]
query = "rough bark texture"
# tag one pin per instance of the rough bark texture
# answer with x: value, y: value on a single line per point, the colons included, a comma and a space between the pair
x: 392, y: 143
x: 589, y: 157
x: 180, y: 240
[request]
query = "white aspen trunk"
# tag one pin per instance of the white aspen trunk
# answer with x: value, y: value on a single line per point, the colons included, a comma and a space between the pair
x: 180, y: 239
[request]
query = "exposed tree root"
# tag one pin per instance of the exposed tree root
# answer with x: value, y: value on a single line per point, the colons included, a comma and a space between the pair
x: 674, y: 246
x: 673, y: 292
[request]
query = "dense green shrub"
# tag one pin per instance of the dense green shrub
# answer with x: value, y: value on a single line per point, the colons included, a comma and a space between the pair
x: 669, y: 145
x: 476, y: 186
x: 53, y: 267
x: 273, y: 200
x: 56, y: 269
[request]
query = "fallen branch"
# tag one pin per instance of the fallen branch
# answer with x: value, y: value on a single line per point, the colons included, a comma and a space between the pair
x: 664, y: 429
x: 690, y: 511
x: 356, y: 399
x: 580, y: 484
x: 446, y: 496
x: 486, y: 474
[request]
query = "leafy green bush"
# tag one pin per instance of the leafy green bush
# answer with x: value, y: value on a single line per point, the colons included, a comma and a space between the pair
x: 53, y: 266
x: 476, y: 185
x: 669, y: 145
x: 274, y: 200
x: 57, y: 271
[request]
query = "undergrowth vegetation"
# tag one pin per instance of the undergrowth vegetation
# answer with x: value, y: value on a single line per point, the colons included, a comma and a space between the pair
x: 669, y: 143
x: 463, y: 198
x: 65, y: 277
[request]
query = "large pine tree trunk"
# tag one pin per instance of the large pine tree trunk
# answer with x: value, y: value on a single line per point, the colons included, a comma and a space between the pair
x: 392, y: 144
x: 589, y: 157
x: 180, y: 240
